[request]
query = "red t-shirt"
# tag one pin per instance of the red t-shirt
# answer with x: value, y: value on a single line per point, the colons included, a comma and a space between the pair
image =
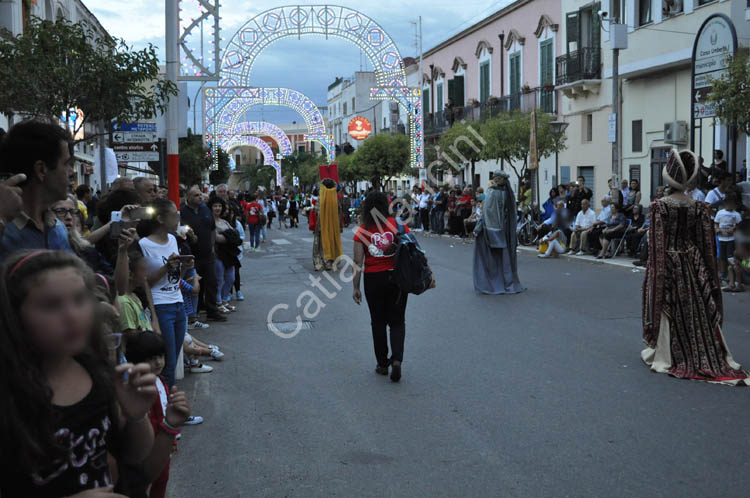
x: 252, y: 210
x: 379, y: 247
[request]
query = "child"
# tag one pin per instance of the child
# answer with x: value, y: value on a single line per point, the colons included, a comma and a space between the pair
x: 168, y: 413
x: 739, y: 269
x: 64, y: 407
x: 188, y: 291
x: 132, y: 315
x: 725, y: 222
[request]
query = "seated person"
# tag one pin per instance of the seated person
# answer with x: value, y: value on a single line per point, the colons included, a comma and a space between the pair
x: 599, y: 224
x: 614, y: 229
x: 471, y: 222
x: 585, y: 220
x: 739, y: 265
x: 638, y: 228
x: 556, y: 241
x: 560, y: 219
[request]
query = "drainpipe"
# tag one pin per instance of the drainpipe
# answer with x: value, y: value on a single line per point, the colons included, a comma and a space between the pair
x: 502, y: 64
x: 432, y: 87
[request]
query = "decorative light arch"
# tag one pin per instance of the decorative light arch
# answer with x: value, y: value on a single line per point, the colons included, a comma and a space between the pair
x: 259, y: 128
x: 225, y: 107
x: 323, y: 20
x: 258, y: 143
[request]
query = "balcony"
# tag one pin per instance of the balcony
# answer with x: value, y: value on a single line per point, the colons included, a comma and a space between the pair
x: 579, y: 73
x: 543, y: 99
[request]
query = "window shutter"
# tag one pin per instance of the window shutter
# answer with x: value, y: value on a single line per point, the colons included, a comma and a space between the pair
x: 571, y: 29
x: 452, y: 91
x: 596, y: 32
x: 459, y: 91
x: 515, y: 76
x: 426, y: 101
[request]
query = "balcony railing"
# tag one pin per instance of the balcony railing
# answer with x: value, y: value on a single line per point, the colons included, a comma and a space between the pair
x: 583, y: 64
x: 543, y: 99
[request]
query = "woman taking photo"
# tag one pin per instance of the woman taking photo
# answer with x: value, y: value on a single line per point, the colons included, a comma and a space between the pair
x: 374, y: 251
x: 162, y: 258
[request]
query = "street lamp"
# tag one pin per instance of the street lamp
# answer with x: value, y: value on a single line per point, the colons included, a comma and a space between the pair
x: 558, y: 128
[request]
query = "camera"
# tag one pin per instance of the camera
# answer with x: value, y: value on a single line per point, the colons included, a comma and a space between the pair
x: 603, y: 14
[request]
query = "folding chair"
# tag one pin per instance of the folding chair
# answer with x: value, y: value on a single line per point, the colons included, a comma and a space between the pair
x: 623, y: 239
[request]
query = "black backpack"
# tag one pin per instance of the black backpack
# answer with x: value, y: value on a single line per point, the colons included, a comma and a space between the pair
x: 411, y: 272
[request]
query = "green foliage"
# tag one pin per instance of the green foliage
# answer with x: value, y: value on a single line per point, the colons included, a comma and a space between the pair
x: 221, y: 175
x: 55, y: 67
x: 508, y: 139
x: 731, y: 93
x: 382, y: 157
x: 195, y: 162
x: 305, y: 166
x: 348, y: 173
x: 461, y: 145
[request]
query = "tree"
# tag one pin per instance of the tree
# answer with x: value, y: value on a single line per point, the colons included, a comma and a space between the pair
x: 507, y: 138
x: 382, y: 157
x: 195, y: 161
x: 54, y: 68
x: 258, y: 175
x: 221, y: 174
x: 731, y: 93
x: 303, y: 165
x: 461, y: 144
x: 349, y: 175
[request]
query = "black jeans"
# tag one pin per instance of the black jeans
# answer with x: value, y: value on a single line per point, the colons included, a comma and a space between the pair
x: 387, y: 305
x: 424, y: 214
x: 206, y: 268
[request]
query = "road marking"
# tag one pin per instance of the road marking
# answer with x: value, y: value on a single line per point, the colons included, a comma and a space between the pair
x: 281, y: 242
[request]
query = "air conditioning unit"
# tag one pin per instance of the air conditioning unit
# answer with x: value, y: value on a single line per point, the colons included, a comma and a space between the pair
x: 676, y: 132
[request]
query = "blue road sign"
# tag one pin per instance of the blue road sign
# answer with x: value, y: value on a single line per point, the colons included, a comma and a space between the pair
x: 143, y: 127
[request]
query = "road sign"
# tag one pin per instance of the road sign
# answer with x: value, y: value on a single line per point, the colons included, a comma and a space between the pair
x: 715, y: 43
x: 136, y: 152
x: 137, y: 157
x: 612, y: 128
x: 134, y: 137
x: 142, y: 127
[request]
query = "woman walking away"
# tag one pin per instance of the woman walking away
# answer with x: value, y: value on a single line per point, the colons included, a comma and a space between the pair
x: 253, y: 210
x: 64, y: 408
x: 165, y: 271
x: 374, y: 250
x: 495, y: 266
x: 682, y: 301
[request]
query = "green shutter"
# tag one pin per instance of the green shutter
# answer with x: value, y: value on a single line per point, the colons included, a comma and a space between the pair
x: 484, y: 81
x: 596, y: 35
x: 571, y: 29
x: 545, y: 66
x: 459, y: 91
x: 426, y: 101
x: 439, y: 95
x: 452, y: 91
x: 515, y: 73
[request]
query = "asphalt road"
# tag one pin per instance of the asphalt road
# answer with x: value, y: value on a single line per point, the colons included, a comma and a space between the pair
x: 541, y: 394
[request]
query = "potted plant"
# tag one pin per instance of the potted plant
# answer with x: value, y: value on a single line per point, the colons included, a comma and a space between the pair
x: 474, y: 102
x: 525, y: 88
x: 493, y: 101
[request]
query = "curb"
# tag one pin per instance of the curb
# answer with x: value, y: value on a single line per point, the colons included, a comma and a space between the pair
x: 591, y: 259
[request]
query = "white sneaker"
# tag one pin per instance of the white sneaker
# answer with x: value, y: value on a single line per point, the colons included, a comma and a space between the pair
x: 199, y: 325
x: 580, y: 253
x: 194, y: 420
x: 217, y: 355
x: 201, y: 368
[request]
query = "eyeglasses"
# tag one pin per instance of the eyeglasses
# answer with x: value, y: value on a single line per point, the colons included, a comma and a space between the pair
x: 62, y: 212
x: 113, y: 341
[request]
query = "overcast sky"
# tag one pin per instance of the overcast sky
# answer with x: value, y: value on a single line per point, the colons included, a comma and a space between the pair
x: 311, y: 63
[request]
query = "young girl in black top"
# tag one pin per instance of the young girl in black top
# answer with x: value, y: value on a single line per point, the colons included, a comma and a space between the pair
x: 64, y: 408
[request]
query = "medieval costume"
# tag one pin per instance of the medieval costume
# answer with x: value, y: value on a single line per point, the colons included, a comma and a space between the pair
x: 327, y: 242
x: 495, y: 265
x: 682, y: 301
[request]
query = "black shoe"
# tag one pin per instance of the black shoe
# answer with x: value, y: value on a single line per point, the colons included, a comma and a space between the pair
x: 396, y: 371
x: 381, y: 370
x: 215, y: 317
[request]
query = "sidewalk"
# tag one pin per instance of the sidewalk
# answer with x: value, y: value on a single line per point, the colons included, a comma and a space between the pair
x: 622, y: 262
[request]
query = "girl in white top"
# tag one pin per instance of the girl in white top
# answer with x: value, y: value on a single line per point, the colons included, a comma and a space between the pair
x: 165, y: 271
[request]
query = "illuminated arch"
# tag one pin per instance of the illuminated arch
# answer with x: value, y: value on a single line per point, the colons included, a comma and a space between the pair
x: 258, y: 143
x: 259, y: 128
x: 324, y: 20
x: 321, y: 20
x: 225, y: 107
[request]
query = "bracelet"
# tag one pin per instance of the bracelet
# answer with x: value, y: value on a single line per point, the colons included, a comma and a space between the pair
x: 169, y: 429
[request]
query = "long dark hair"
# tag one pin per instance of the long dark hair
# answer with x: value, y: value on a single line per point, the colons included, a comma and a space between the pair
x: 26, y: 411
x: 160, y: 208
x: 375, y: 202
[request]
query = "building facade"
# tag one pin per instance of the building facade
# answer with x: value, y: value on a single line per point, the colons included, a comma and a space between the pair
x: 501, y: 64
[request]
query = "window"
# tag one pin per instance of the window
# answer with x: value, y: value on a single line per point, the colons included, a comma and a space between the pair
x: 456, y: 90
x: 637, y: 134
x: 384, y: 126
x: 564, y: 174
x: 344, y: 108
x: 484, y: 81
x: 635, y: 172
x: 659, y: 157
x: 514, y: 85
x: 439, y: 95
x: 353, y: 106
x: 301, y: 148
x: 644, y: 12
x: 588, y: 128
x: 704, y: 2
x: 546, y: 61
x: 619, y: 11
x: 671, y: 7
x: 426, y: 108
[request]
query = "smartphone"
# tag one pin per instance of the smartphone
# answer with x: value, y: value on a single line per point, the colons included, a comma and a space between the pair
x: 141, y: 213
x: 187, y: 258
x: 116, y: 228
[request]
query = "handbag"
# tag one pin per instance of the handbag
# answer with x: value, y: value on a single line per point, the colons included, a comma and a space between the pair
x: 543, y: 247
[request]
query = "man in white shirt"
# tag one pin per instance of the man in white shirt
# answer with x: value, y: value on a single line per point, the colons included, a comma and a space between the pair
x: 585, y: 220
x: 716, y: 196
x: 696, y: 194
x: 424, y: 209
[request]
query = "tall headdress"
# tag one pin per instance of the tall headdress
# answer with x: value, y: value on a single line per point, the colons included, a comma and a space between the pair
x: 329, y: 171
x: 681, y: 170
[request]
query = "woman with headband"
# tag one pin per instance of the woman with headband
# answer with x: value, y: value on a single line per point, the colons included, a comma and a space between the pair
x: 682, y: 301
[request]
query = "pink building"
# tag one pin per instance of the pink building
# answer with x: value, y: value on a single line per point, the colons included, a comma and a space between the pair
x: 503, y: 63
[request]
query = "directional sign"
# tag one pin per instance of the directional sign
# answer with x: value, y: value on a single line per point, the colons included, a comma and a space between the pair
x: 715, y: 43
x: 137, y: 156
x: 134, y: 137
x: 134, y: 127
